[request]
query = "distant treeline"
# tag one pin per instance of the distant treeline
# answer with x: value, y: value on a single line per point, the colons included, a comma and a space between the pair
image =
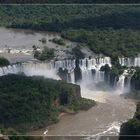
x: 98, y: 19
x: 68, y: 1
x: 109, y: 42
x: 58, y: 18
x: 93, y: 20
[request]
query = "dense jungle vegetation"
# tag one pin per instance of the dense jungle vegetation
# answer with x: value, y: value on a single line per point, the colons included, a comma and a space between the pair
x: 109, y: 42
x: 131, y: 129
x: 60, y: 17
x: 32, y: 102
x: 45, y: 54
x: 69, y: 1
x: 111, y: 30
x: 107, y: 29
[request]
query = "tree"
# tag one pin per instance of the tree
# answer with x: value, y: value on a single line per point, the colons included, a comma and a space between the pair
x: 4, y: 62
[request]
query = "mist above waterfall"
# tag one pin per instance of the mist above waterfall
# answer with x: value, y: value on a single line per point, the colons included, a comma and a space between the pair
x: 31, y: 69
x: 40, y: 69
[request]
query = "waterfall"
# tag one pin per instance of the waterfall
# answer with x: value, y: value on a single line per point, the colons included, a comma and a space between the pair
x: 121, y: 83
x: 30, y: 69
x: 48, y: 70
x: 137, y: 61
x: 128, y: 83
x: 64, y: 64
x: 129, y: 62
x: 11, y: 69
x: 90, y: 69
x: 124, y: 82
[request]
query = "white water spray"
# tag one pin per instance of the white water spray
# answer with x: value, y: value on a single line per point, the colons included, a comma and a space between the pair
x: 129, y: 62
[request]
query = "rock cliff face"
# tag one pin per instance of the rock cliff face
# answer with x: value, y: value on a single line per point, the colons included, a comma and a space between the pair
x: 70, y: 93
x: 135, y: 81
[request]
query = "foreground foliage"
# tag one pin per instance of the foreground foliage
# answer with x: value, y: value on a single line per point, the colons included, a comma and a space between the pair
x: 4, y: 62
x: 131, y: 129
x: 34, y: 102
x: 67, y: 1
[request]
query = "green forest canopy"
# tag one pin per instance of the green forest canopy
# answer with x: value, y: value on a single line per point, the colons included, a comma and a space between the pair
x: 58, y: 17
x: 34, y: 102
x: 69, y: 1
x: 93, y: 20
x: 109, y: 42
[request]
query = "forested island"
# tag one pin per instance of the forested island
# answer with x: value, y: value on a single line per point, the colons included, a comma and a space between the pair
x: 30, y: 103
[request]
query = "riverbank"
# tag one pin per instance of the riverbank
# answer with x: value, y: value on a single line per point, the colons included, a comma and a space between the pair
x: 38, y: 100
x: 103, y: 119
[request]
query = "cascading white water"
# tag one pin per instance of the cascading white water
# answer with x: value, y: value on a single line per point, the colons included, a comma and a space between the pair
x: 121, y: 83
x: 64, y: 64
x: 11, y: 69
x: 129, y: 62
x: 40, y: 69
x: 137, y: 61
x: 124, y: 82
x: 90, y: 71
x: 50, y: 69
x: 87, y: 67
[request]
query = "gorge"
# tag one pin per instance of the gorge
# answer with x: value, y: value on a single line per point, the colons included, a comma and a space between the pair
x: 93, y: 74
x: 69, y: 70
x: 93, y: 82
